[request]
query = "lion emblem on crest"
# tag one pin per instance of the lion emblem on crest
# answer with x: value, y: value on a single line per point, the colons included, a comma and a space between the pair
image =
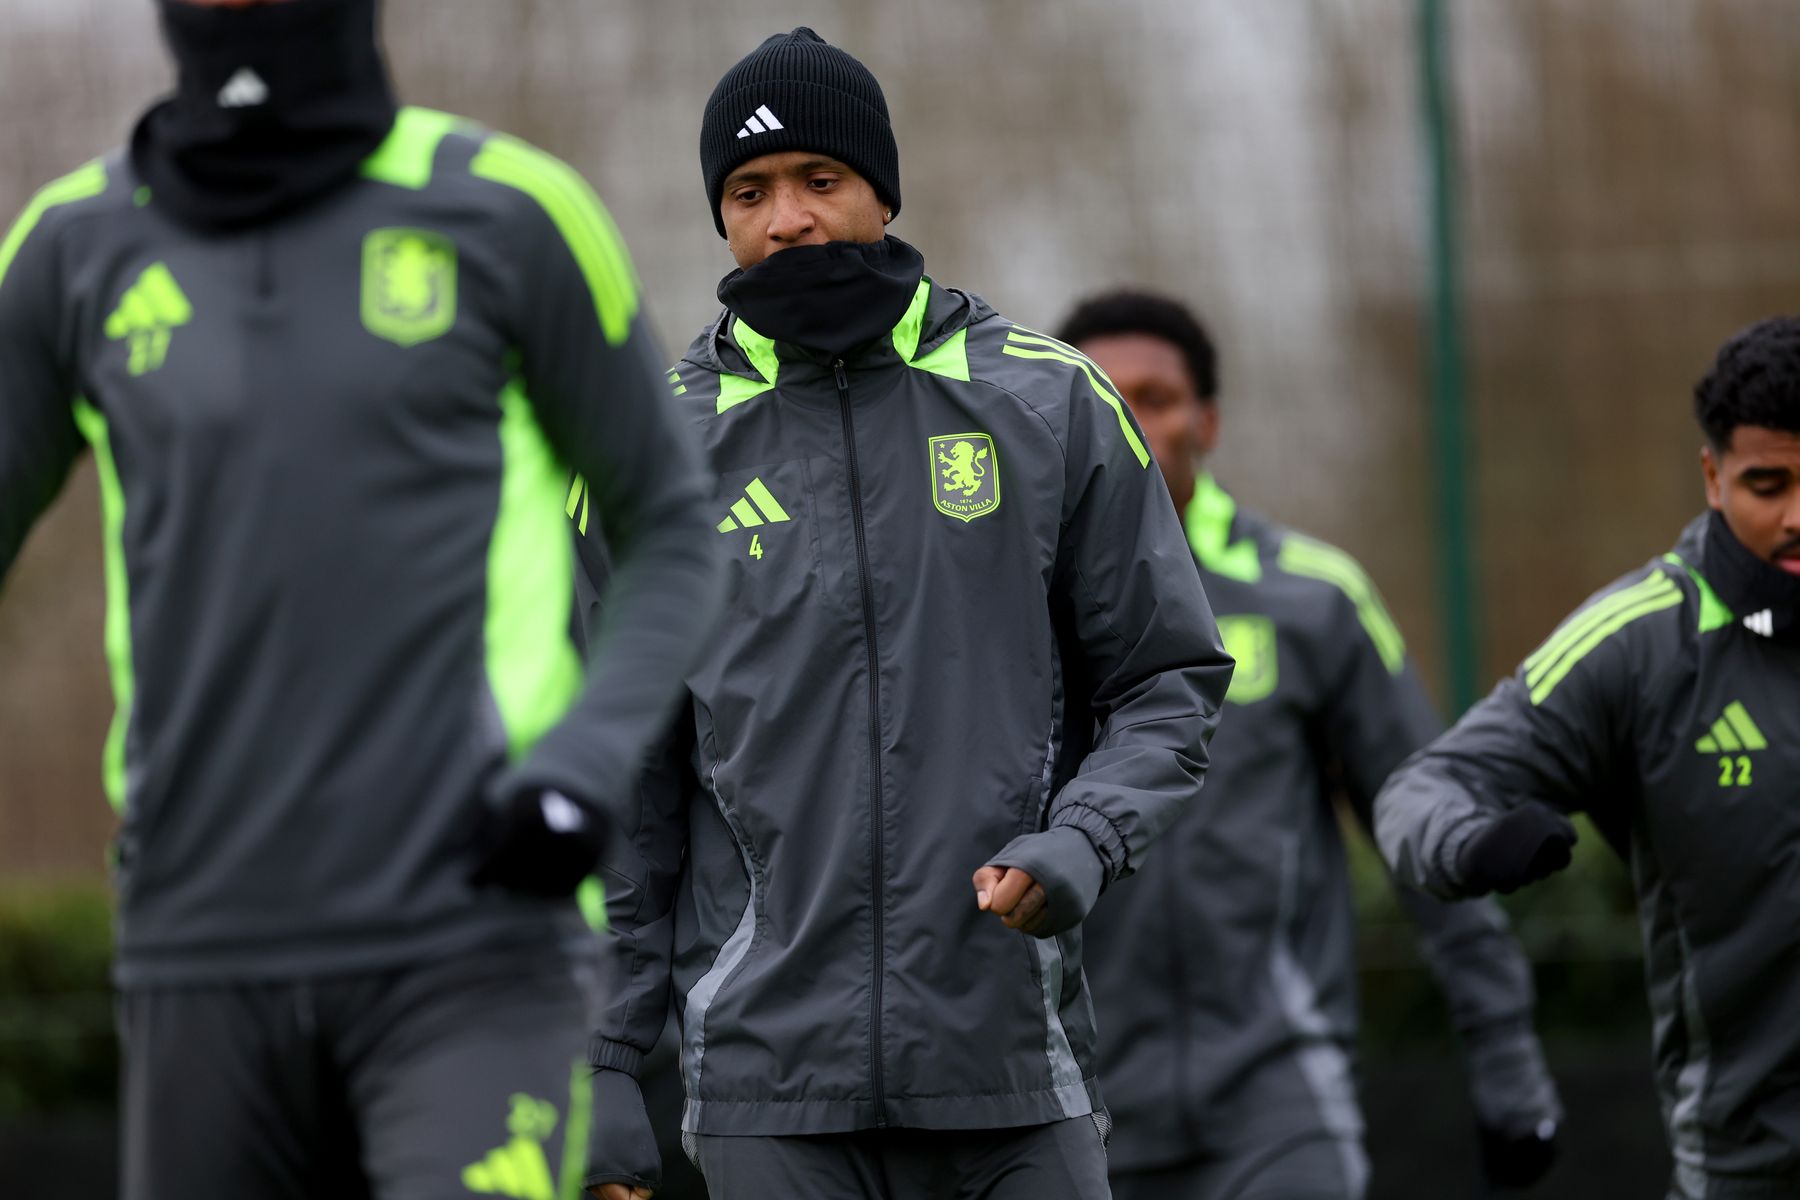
x: 965, y: 474
x: 964, y: 468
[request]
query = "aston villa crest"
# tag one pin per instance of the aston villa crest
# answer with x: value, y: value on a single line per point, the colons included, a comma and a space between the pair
x: 965, y: 475
x: 408, y: 285
x: 1250, y: 639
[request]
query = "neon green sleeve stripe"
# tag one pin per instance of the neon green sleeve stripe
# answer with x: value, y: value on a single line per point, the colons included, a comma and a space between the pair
x: 80, y: 184
x: 404, y: 158
x: 533, y: 668
x: 1598, y: 634
x: 581, y: 219
x: 577, y: 1129
x: 93, y: 426
x: 1584, y: 622
x: 1118, y: 407
x: 591, y: 898
x: 1031, y: 337
x: 1326, y: 563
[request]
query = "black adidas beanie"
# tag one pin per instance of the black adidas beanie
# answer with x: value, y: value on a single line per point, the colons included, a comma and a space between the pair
x: 796, y: 91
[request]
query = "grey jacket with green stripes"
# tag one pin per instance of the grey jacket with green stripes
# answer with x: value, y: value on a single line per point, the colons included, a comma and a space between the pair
x: 1224, y: 973
x: 1656, y: 710
x: 962, y: 610
x: 332, y: 455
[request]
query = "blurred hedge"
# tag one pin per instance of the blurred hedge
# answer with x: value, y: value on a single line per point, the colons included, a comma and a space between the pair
x: 57, y: 1048
x: 1579, y: 927
x: 57, y: 1045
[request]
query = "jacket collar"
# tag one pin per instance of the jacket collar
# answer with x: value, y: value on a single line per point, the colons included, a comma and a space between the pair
x: 930, y: 336
x: 1209, y: 519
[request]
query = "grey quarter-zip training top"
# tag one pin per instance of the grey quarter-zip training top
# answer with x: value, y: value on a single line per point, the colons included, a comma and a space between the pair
x: 332, y: 454
x: 1224, y: 972
x: 1673, y: 722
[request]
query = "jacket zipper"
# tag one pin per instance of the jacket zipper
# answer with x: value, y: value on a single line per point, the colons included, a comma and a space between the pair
x: 876, y: 849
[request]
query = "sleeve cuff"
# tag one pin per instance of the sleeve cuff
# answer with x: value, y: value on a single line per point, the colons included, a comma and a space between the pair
x: 609, y: 1055
x: 1100, y: 831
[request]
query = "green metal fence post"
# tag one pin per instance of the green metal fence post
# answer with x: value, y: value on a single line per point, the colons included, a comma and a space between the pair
x: 1453, y: 462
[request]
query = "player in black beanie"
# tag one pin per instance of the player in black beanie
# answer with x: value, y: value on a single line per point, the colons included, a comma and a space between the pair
x: 796, y: 91
x: 927, y: 742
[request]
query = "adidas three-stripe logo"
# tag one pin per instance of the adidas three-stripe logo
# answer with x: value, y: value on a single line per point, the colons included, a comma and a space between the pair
x: 245, y: 89
x: 1733, y: 731
x: 757, y: 507
x: 1761, y: 622
x: 761, y: 121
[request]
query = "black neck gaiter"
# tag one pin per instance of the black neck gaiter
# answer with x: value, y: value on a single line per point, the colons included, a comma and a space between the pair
x: 275, y: 105
x: 829, y: 299
x: 1762, y: 595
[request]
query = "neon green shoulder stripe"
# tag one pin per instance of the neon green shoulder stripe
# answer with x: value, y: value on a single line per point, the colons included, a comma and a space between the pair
x: 1589, y: 629
x: 1301, y: 555
x: 581, y: 219
x: 79, y: 184
x: 93, y: 426
x: 1022, y: 344
x: 1587, y: 619
x: 404, y: 158
x: 533, y: 668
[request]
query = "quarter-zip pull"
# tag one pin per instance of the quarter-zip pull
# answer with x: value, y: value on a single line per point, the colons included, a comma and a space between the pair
x: 843, y: 380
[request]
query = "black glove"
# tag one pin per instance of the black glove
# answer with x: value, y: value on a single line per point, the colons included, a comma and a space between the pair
x: 1521, y: 847
x: 1066, y: 865
x: 1517, y: 1161
x: 540, y: 843
x: 621, y: 1146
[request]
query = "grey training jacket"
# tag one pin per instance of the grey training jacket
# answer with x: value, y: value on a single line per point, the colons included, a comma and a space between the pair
x: 1224, y: 973
x: 961, y: 610
x: 333, y: 453
x: 1659, y: 712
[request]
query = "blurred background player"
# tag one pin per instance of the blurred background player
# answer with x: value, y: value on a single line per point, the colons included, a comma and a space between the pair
x: 965, y: 639
x: 331, y: 357
x: 1224, y: 973
x: 1668, y: 709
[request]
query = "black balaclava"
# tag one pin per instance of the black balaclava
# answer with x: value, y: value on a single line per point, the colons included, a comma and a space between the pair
x: 275, y: 105
x: 1762, y: 595
x: 829, y: 298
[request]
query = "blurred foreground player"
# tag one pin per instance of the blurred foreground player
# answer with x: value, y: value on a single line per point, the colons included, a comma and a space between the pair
x: 965, y: 645
x: 1224, y: 973
x: 1668, y: 708
x: 334, y: 359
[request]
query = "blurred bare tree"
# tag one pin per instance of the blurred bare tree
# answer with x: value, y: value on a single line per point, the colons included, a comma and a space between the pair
x: 1627, y: 169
